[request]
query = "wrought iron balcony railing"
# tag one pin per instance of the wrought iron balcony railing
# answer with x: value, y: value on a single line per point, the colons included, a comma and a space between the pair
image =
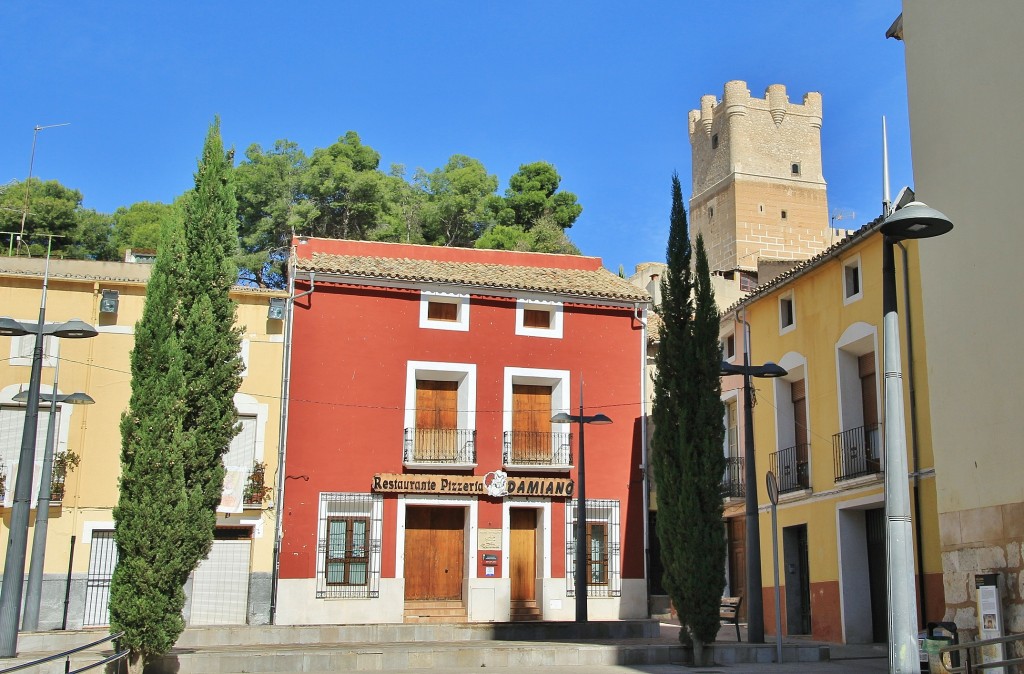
x: 534, y: 448
x: 732, y: 480
x: 790, y: 468
x: 440, y: 446
x: 857, y: 452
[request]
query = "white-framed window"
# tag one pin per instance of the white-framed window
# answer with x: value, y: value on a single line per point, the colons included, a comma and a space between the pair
x: 238, y: 464
x: 853, y: 282
x: 728, y: 342
x: 348, y: 545
x: 244, y: 452
x: 444, y: 311
x: 602, y: 548
x: 531, y: 398
x: 22, y: 347
x: 12, y: 423
x: 790, y: 460
x: 537, y: 318
x: 857, y: 371
x: 787, y: 312
x: 440, y: 413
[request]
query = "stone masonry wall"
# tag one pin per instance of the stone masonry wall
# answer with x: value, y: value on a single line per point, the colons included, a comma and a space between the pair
x: 983, y: 540
x: 743, y: 151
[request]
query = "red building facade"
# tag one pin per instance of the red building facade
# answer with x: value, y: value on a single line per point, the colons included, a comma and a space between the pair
x: 424, y: 476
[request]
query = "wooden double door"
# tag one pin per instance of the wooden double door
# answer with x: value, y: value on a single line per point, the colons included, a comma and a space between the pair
x: 435, y: 552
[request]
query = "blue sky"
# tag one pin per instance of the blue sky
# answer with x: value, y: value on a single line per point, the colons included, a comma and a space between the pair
x: 600, y: 89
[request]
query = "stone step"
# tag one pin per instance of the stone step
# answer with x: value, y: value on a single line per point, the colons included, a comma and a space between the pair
x: 305, y: 649
x: 435, y: 611
x: 270, y: 635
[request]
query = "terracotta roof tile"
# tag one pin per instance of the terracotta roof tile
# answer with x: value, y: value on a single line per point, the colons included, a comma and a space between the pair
x: 598, y: 284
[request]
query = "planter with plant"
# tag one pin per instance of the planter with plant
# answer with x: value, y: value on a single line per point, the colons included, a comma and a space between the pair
x: 256, y: 487
x: 63, y: 463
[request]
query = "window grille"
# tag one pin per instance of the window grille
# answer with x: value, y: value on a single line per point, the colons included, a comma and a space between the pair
x: 348, y: 546
x: 603, y: 575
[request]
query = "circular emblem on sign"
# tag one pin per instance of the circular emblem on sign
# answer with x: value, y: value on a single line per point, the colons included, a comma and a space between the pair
x: 496, y: 483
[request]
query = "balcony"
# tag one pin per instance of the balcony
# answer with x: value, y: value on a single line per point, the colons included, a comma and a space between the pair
x: 439, y: 447
x: 790, y: 467
x: 857, y: 452
x: 732, y: 480
x: 535, y: 450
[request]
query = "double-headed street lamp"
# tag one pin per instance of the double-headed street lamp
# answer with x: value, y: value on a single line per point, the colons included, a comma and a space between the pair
x: 913, y: 221
x: 581, y: 506
x: 33, y: 597
x: 755, y: 609
x: 17, y: 542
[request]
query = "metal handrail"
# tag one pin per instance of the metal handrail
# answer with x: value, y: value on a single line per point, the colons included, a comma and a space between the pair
x: 68, y: 653
x: 857, y: 452
x: 790, y: 467
x: 968, y: 667
x: 537, y: 448
x: 732, y: 479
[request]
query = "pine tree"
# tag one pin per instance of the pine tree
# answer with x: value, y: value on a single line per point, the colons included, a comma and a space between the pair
x: 181, y: 418
x: 688, y: 434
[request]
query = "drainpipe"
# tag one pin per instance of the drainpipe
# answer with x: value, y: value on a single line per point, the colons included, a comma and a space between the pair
x: 641, y: 315
x: 915, y: 454
x: 282, y: 438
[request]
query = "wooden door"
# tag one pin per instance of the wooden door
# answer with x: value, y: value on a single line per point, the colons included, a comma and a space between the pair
x: 437, y: 411
x: 531, y: 423
x: 523, y: 553
x: 434, y: 552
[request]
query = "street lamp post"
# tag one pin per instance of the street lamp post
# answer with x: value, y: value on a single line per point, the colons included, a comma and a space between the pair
x: 17, y: 541
x: 755, y: 606
x: 581, y: 506
x: 913, y: 221
x: 33, y: 597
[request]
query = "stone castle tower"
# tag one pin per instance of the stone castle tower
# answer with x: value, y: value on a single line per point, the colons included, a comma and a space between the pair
x: 758, y: 191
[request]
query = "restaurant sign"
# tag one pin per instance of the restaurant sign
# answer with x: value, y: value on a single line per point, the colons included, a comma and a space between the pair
x: 483, y: 485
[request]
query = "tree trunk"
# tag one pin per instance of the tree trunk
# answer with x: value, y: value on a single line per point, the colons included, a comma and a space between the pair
x: 698, y: 652
x: 135, y: 661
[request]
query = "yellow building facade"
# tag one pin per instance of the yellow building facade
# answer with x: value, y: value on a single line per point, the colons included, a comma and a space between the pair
x: 819, y: 430
x: 233, y: 586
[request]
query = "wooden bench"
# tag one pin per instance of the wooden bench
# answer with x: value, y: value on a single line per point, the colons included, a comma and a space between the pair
x: 729, y: 612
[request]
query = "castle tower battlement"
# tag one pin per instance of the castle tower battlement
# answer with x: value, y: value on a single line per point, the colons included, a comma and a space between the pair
x: 758, y: 188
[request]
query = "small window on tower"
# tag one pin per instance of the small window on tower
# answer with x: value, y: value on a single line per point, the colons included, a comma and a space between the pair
x: 796, y: 168
x: 784, y: 215
x: 711, y: 213
x: 714, y: 142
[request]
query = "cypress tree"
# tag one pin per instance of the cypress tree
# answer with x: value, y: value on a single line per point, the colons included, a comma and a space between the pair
x: 210, y: 339
x: 181, y: 418
x: 688, y: 433
x: 146, y: 592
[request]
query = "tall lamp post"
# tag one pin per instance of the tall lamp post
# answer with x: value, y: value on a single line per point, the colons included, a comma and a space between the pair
x: 755, y: 607
x: 581, y: 506
x: 17, y: 541
x: 33, y: 597
x: 913, y: 221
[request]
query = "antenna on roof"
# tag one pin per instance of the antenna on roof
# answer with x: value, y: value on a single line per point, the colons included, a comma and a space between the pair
x: 838, y: 215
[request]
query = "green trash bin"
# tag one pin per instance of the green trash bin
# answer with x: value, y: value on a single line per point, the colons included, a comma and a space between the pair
x: 935, y: 640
